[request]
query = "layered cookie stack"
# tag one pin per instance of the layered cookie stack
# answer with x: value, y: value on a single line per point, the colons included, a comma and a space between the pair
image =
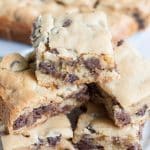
x: 77, y: 75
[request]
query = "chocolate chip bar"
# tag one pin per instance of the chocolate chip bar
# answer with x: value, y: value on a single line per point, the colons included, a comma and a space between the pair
x: 53, y: 134
x: 24, y: 104
x: 74, y: 48
x: 95, y: 131
x: 127, y: 99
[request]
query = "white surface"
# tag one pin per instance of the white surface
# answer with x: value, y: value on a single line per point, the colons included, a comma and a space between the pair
x: 141, y: 41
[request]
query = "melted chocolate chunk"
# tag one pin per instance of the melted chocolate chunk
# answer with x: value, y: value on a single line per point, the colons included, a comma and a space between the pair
x: 51, y: 109
x: 139, y: 20
x: 119, y: 43
x: 86, y: 143
x: 95, y: 93
x: 92, y: 64
x: 52, y: 141
x: 142, y: 111
x: 20, y: 122
x: 48, y: 68
x: 74, y: 115
x: 32, y: 117
x: 122, y: 118
x: 71, y: 78
x: 67, y: 23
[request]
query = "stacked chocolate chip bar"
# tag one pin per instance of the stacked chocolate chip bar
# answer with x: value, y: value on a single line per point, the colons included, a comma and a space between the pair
x: 74, y: 91
x: 30, y: 97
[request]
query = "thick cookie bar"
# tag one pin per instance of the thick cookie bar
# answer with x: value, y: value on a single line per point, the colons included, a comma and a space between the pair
x: 24, y: 103
x: 74, y: 48
x: 96, y: 132
x: 127, y: 99
x: 53, y: 134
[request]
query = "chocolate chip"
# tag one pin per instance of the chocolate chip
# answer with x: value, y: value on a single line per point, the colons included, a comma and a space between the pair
x: 95, y: 93
x: 52, y: 141
x: 30, y: 118
x: 122, y: 118
x: 20, y: 122
x: 90, y: 128
x: 48, y: 68
x: 119, y: 43
x: 92, y: 64
x: 71, y: 78
x: 67, y: 23
x: 139, y: 20
x: 142, y: 111
x: 86, y: 143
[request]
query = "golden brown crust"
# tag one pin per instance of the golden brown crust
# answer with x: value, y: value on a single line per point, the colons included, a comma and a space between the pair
x: 13, y: 30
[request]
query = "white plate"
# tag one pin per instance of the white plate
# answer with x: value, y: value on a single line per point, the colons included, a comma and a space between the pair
x: 141, y: 41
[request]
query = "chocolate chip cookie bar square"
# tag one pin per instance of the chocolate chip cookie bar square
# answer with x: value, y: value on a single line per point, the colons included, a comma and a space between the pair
x: 127, y: 99
x: 95, y: 131
x: 53, y: 134
x: 24, y: 104
x: 74, y: 48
